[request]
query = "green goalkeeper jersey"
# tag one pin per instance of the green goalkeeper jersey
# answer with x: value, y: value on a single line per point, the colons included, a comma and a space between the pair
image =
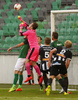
x: 24, y: 50
x: 56, y: 43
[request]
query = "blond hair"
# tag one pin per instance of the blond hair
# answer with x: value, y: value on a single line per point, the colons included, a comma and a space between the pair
x: 68, y: 44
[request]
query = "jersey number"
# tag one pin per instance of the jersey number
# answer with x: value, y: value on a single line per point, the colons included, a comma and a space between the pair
x: 46, y: 54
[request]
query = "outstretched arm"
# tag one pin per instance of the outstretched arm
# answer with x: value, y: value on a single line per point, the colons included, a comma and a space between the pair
x: 16, y: 46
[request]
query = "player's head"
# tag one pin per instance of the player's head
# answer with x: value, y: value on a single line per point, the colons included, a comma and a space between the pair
x: 68, y: 44
x: 47, y: 41
x: 54, y: 36
x: 33, y: 25
x: 39, y: 39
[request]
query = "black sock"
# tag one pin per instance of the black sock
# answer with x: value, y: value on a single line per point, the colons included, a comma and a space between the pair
x: 29, y: 75
x: 45, y: 79
x: 32, y: 81
x: 66, y: 81
x: 49, y: 81
x: 62, y: 83
x: 40, y: 76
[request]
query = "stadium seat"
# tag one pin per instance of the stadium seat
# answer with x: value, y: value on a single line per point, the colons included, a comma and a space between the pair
x: 75, y: 39
x: 59, y: 3
x: 44, y: 22
x: 43, y: 32
x: 76, y: 2
x: 48, y: 5
x: 48, y: 32
x: 40, y: 26
x: 1, y: 35
x: 20, y: 39
x: 55, y: 6
x: 15, y: 40
x: 10, y: 13
x: 8, y: 40
x: 63, y: 31
x: 15, y: 13
x: 32, y: 2
x: 38, y: 32
x: 34, y: 14
x: 8, y: 1
x: 40, y: 15
x: 5, y: 30
x: 29, y: 5
x: 21, y: 12
x: 7, y: 20
x: 69, y: 31
x: 4, y: 14
x: 35, y: 5
x: 61, y: 38
x: 68, y: 38
x: 44, y: 9
x: 27, y: 12
x: 38, y: 8
x: 11, y: 30
x: 5, y: 7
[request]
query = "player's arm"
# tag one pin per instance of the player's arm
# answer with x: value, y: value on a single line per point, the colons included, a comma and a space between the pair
x: 50, y: 56
x: 24, y: 33
x: 67, y: 63
x: 68, y: 59
x: 16, y: 46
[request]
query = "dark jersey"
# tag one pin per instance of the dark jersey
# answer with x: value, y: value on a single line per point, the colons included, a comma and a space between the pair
x: 61, y: 55
x: 44, y: 55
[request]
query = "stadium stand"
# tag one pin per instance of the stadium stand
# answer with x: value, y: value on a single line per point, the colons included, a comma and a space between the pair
x: 37, y: 10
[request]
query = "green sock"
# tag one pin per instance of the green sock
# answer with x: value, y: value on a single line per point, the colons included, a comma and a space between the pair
x: 15, y: 79
x: 19, y: 86
x: 20, y: 79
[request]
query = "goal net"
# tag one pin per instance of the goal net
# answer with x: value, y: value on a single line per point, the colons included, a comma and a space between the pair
x: 65, y: 22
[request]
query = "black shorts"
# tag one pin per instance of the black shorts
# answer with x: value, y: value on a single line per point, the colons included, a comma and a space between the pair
x: 58, y: 69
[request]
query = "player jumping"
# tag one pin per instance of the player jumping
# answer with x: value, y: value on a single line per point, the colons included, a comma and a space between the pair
x: 34, y: 49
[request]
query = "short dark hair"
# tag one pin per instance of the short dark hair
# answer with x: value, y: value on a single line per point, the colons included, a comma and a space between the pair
x: 40, y: 37
x: 55, y: 35
x: 34, y: 25
x: 47, y: 40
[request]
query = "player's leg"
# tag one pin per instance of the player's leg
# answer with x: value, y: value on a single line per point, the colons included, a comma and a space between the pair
x: 13, y: 88
x: 45, y: 79
x: 63, y: 71
x: 29, y: 82
x: 20, y: 81
x: 18, y: 68
x: 33, y: 56
x: 53, y: 72
x: 38, y: 71
x: 41, y: 86
x: 27, y: 64
x: 49, y: 85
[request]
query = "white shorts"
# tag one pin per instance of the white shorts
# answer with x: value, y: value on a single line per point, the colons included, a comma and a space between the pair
x: 20, y: 64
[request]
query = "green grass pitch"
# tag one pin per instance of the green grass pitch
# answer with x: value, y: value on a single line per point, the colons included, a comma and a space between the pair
x: 31, y: 92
